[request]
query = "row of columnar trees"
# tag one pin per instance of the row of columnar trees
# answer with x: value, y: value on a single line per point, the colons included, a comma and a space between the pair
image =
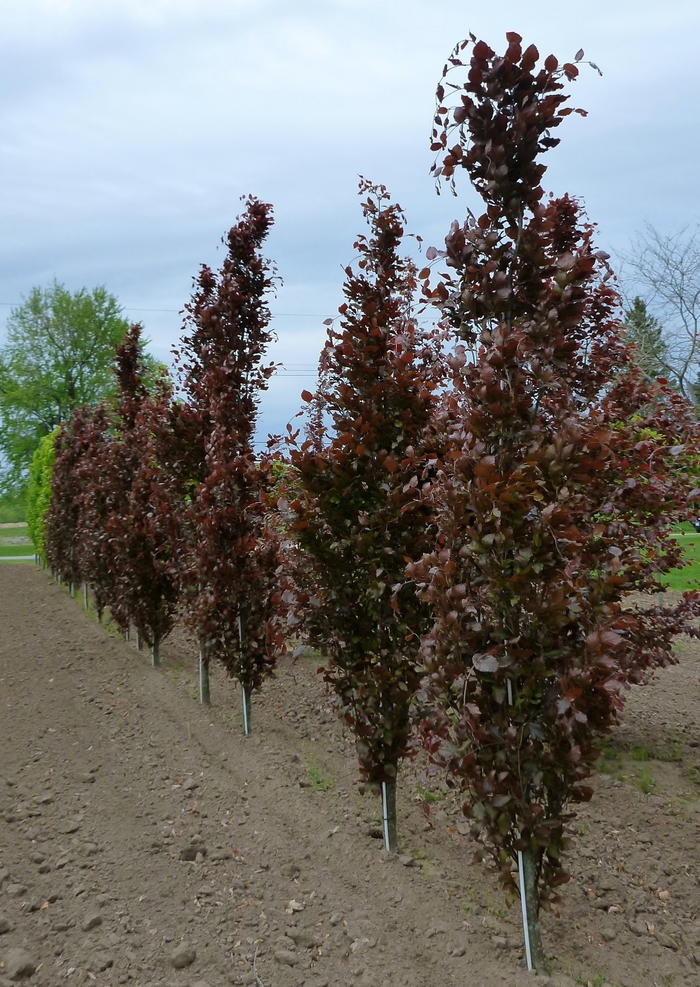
x: 457, y: 530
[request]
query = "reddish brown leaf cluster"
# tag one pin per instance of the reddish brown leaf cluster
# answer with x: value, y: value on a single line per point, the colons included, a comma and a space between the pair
x: 232, y: 549
x: 113, y: 492
x: 558, y: 490
x: 352, y: 505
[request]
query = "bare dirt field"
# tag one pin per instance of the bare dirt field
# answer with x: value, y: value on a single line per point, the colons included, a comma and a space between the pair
x: 144, y: 840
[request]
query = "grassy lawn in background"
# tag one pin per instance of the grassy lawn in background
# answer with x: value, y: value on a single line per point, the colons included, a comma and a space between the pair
x: 15, y: 544
x: 689, y: 576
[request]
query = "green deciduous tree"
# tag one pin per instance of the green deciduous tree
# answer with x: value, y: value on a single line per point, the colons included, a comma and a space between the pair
x: 58, y: 356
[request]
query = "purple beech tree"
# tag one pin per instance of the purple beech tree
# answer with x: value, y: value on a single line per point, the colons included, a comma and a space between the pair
x: 557, y: 495
x: 231, y: 572
x: 355, y: 514
x: 62, y: 520
x: 92, y: 502
x: 143, y: 525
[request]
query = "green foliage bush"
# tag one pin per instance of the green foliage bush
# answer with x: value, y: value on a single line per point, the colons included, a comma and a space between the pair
x: 13, y: 508
x: 39, y: 490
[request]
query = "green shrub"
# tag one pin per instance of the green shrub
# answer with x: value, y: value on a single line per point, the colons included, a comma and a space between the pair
x: 13, y: 508
x: 39, y: 490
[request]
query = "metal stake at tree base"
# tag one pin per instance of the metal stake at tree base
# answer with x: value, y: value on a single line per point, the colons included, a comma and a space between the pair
x: 523, y: 905
x: 246, y: 723
x: 385, y: 819
x: 521, y: 872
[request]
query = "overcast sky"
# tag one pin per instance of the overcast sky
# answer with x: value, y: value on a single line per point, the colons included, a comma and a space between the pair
x: 130, y: 129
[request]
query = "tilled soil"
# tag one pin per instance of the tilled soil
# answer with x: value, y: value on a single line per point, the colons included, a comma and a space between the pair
x: 144, y: 840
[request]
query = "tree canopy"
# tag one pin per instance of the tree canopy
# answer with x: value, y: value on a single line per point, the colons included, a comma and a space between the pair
x: 58, y: 356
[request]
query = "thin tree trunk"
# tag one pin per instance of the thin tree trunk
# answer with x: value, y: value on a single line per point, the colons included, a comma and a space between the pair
x: 127, y: 634
x: 139, y: 641
x: 391, y: 844
x: 530, y: 868
x: 86, y: 596
x: 204, y: 695
x: 72, y: 589
x: 246, y: 710
x: 155, y: 651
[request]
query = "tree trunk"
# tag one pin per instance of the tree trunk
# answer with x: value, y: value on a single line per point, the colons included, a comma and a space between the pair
x: 532, y: 922
x: 139, y: 641
x: 86, y: 597
x: 204, y: 695
x: 246, y: 710
x: 391, y: 844
x: 127, y: 634
x: 72, y: 590
x: 155, y: 651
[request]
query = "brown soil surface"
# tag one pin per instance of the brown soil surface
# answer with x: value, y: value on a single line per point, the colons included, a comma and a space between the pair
x: 133, y: 821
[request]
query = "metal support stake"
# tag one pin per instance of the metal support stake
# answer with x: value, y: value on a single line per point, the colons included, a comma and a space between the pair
x: 523, y: 905
x: 521, y: 872
x: 385, y: 819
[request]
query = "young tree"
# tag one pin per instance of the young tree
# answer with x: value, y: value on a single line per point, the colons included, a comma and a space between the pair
x: 61, y: 531
x: 93, y: 503
x: 646, y: 335
x: 142, y: 525
x: 566, y: 474
x: 58, y: 357
x: 233, y: 552
x: 357, y: 517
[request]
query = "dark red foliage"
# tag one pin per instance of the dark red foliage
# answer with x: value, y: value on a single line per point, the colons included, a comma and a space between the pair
x: 93, y: 501
x: 353, y: 505
x: 144, y: 501
x: 62, y: 537
x: 233, y: 551
x: 558, y: 494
